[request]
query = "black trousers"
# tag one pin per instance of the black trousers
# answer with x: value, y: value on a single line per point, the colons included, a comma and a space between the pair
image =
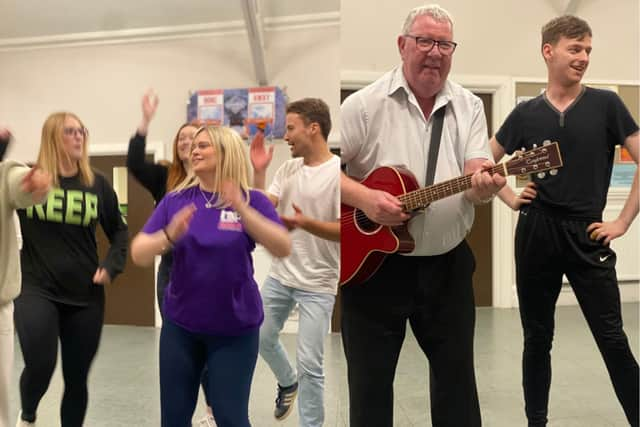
x: 40, y: 323
x: 546, y: 247
x: 435, y: 295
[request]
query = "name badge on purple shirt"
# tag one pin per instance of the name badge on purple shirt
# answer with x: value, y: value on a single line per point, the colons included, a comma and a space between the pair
x: 229, y: 220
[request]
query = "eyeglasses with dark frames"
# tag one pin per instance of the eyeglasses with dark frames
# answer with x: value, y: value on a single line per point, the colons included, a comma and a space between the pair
x: 425, y: 44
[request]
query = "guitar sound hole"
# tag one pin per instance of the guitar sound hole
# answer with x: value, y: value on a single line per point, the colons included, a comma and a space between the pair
x: 364, y: 223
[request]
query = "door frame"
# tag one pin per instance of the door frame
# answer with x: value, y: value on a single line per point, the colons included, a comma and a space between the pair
x: 503, y: 290
x: 157, y: 149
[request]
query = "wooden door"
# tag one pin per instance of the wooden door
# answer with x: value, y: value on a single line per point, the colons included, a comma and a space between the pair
x: 130, y: 300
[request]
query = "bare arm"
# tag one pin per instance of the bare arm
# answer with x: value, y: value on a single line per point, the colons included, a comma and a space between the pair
x: 145, y: 246
x: 269, y: 234
x: 610, y: 230
x: 506, y: 193
x: 328, y: 230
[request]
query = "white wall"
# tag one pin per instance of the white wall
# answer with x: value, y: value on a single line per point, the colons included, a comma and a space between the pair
x: 103, y: 84
x: 496, y: 37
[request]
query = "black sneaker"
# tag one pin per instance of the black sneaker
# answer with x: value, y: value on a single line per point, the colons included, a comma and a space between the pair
x: 284, y: 401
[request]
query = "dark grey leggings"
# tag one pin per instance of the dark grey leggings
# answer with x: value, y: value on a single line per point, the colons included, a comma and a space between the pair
x: 40, y: 323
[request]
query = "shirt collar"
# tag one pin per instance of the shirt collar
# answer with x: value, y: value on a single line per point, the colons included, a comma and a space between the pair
x: 399, y: 82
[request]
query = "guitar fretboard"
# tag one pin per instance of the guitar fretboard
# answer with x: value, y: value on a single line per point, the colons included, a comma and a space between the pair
x: 422, y: 197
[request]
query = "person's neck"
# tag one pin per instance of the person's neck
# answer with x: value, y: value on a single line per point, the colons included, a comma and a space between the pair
x: 186, y: 164
x: 318, y: 155
x: 68, y: 168
x: 562, y: 95
x: 426, y: 98
x: 207, y: 183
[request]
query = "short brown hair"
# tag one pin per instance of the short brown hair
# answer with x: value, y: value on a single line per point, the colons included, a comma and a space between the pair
x: 313, y: 110
x: 568, y: 26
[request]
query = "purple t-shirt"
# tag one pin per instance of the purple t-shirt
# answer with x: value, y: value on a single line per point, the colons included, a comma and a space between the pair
x: 212, y: 289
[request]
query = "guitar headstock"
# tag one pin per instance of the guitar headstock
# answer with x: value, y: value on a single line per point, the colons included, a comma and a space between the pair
x: 537, y: 160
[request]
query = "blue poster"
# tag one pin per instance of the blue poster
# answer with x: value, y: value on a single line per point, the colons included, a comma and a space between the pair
x: 622, y: 175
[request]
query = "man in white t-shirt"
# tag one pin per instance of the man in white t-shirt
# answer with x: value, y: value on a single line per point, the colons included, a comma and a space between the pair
x: 390, y: 123
x: 306, y: 192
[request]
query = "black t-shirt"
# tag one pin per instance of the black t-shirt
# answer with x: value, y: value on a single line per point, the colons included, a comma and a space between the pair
x: 59, y: 256
x: 587, y: 133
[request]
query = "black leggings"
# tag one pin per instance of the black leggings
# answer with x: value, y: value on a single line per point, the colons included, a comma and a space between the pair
x: 39, y: 323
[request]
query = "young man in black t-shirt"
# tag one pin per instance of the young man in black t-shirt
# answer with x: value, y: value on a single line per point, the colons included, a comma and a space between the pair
x: 560, y: 228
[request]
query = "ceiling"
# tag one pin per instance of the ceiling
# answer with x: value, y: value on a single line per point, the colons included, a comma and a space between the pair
x: 37, y: 18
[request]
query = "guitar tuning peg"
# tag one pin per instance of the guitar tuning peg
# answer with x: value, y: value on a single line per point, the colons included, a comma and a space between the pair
x: 553, y: 172
x: 541, y: 174
x: 523, y: 149
x: 546, y: 142
x: 535, y: 145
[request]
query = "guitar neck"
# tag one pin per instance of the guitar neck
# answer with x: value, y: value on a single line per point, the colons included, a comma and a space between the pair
x: 421, y: 198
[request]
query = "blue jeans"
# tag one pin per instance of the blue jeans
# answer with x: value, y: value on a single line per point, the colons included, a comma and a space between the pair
x: 313, y: 324
x: 231, y: 361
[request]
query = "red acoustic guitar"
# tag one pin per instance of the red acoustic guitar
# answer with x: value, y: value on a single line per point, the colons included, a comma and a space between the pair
x: 364, y: 244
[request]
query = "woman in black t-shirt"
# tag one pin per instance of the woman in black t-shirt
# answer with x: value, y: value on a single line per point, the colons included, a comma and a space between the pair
x: 62, y: 279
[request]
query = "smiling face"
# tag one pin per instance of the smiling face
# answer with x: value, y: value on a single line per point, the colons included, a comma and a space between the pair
x: 203, y: 154
x: 567, y: 60
x: 184, y: 141
x: 73, y: 138
x: 426, y: 72
x: 298, y: 135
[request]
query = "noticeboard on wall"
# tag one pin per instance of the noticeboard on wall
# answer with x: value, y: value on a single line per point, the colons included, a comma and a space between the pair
x: 243, y: 109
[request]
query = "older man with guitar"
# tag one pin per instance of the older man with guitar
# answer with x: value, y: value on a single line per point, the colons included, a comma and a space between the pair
x: 414, y: 118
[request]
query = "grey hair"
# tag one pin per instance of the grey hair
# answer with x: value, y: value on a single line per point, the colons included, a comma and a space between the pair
x: 433, y: 10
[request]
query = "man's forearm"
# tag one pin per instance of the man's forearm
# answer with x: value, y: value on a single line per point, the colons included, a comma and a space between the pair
x: 259, y: 179
x: 323, y: 229
x: 352, y: 193
x: 632, y: 204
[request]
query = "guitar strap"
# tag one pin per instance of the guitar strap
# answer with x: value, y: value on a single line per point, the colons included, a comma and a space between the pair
x: 434, y: 146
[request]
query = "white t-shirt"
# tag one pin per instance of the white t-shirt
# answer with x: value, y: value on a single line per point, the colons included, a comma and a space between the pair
x: 383, y: 125
x: 314, y: 262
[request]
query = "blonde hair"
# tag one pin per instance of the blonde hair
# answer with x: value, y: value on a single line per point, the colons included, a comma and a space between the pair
x: 232, y: 163
x: 52, y: 149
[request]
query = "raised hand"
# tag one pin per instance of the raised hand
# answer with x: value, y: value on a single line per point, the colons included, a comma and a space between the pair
x: 5, y: 134
x: 180, y: 222
x: 37, y: 182
x: 260, y: 156
x: 150, y: 103
x: 232, y: 196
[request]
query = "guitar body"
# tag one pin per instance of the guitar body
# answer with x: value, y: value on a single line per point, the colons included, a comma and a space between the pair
x: 363, y: 243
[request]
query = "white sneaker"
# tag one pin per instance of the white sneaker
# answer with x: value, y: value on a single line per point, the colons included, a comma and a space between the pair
x: 207, y: 421
x: 23, y: 423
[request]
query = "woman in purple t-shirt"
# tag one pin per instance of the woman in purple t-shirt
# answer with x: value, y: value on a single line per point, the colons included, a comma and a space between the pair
x: 212, y: 305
